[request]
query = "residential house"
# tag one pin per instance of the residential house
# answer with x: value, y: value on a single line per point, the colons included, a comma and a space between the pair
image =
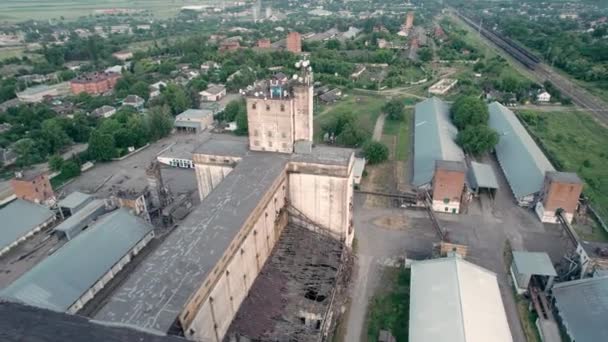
x: 104, y: 112
x: 214, y: 92
x: 156, y: 88
x: 543, y: 96
x: 135, y: 102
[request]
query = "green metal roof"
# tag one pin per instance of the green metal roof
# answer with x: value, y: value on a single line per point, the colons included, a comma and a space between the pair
x: 537, y: 263
x: 63, y: 277
x: 521, y: 160
x: 75, y: 199
x: 482, y: 176
x: 434, y: 139
x: 19, y: 218
x: 583, y: 308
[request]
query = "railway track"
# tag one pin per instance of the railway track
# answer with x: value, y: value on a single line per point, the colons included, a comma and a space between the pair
x: 542, y: 72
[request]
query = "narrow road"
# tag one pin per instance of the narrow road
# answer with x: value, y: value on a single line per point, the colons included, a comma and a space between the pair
x: 379, y: 127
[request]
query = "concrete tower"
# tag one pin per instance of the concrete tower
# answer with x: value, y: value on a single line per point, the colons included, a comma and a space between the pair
x: 303, y: 104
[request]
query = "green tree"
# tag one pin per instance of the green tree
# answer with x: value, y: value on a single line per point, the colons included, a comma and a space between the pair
x: 425, y: 54
x: 66, y: 75
x: 55, y: 138
x: 140, y: 88
x: 160, y: 122
x: 176, y: 98
x: 333, y: 44
x: 394, y: 109
x: 469, y: 111
x: 70, y: 169
x: 55, y: 162
x: 351, y: 135
x: 233, y: 109
x: 478, y: 139
x: 27, y: 153
x: 101, y: 146
x: 242, y: 126
x: 375, y: 152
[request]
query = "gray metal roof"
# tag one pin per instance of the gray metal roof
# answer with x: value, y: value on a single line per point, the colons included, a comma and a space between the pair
x: 449, y: 165
x: 537, y: 263
x: 27, y: 323
x: 78, y: 221
x: 193, y: 114
x: 453, y: 300
x: 583, y: 308
x: 75, y: 199
x: 482, y: 176
x: 521, y: 160
x: 19, y: 218
x: 191, y: 124
x: 63, y: 277
x: 564, y: 177
x: 154, y: 295
x: 434, y: 139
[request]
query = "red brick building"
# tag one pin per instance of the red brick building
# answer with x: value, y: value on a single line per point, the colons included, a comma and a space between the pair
x: 229, y: 45
x: 264, y: 43
x: 294, y: 42
x: 561, y: 190
x: 33, y: 187
x: 94, y: 83
x: 448, y: 185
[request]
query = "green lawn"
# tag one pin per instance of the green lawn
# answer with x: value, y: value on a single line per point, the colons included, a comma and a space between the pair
x: 390, y: 309
x: 401, y: 129
x: 575, y: 142
x: 365, y: 107
x: 597, y: 233
x: 527, y: 319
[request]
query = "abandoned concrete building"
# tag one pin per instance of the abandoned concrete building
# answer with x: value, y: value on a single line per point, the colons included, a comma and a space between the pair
x: 533, y: 180
x: 257, y: 208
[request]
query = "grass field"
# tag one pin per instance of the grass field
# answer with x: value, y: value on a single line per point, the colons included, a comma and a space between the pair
x: 573, y: 141
x: 366, y: 109
x: 390, y: 308
x: 20, y: 10
x: 402, y: 130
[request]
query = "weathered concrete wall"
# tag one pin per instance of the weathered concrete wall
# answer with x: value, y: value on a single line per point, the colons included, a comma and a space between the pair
x: 208, y: 176
x: 211, y: 310
x: 270, y: 124
x: 303, y: 107
x: 326, y: 200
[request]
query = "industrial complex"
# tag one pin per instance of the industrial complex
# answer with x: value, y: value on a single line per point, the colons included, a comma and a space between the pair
x: 261, y: 247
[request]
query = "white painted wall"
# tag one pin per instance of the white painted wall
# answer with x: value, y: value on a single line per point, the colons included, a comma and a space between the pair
x: 209, y: 176
x: 246, y: 257
x: 323, y: 199
x: 440, y: 206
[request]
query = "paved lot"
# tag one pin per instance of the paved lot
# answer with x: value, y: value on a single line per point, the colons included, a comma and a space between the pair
x: 385, y: 234
x: 105, y: 178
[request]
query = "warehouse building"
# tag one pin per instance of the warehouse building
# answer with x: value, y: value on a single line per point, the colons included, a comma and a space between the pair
x: 481, y: 177
x: 80, y: 220
x: 453, y: 300
x: 20, y: 220
x: 193, y: 120
x: 521, y: 160
x: 434, y: 139
x: 73, y: 202
x: 531, y: 177
x: 582, y: 306
x: 67, y: 279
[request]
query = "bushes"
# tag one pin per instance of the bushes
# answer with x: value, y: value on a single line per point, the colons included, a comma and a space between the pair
x: 375, y: 152
x: 470, y: 115
x: 477, y: 139
x: 469, y: 111
x: 394, y: 109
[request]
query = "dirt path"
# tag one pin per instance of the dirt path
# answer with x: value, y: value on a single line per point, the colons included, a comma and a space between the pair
x: 379, y: 127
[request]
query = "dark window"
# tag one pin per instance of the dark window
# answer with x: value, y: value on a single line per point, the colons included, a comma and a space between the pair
x: 282, y: 107
x: 267, y: 107
x: 253, y: 106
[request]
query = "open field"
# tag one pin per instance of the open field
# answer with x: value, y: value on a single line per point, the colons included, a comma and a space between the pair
x: 365, y: 108
x: 573, y: 141
x: 389, y: 308
x: 402, y: 130
x: 21, y: 10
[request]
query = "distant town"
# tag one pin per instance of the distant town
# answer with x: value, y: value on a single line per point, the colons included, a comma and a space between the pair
x: 281, y: 170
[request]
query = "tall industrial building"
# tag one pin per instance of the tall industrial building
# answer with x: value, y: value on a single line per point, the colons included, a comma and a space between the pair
x: 251, y: 190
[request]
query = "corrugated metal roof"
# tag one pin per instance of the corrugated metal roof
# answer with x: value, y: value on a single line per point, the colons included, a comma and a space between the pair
x: 63, y: 277
x: 193, y: 114
x: 75, y: 223
x: 434, y: 139
x: 537, y: 263
x: 452, y: 300
x: 75, y: 199
x: 583, y: 307
x: 482, y: 176
x: 19, y: 218
x: 521, y: 160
